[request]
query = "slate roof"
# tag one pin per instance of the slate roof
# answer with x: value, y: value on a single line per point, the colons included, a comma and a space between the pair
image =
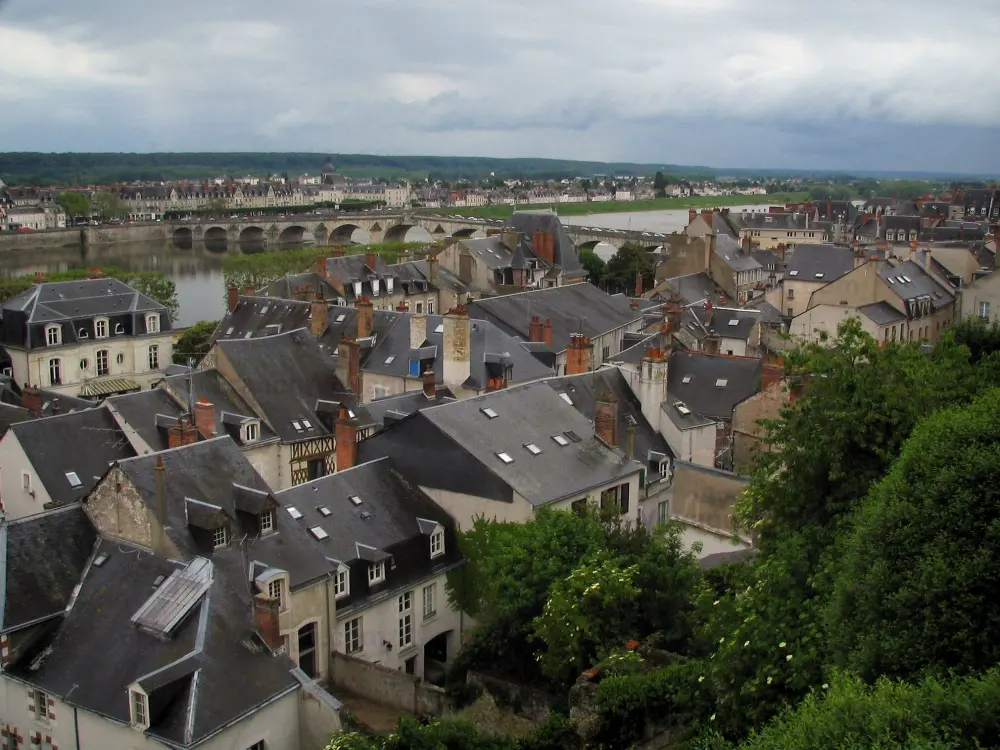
x: 735, y: 257
x: 150, y: 413
x: 488, y: 343
x: 212, y: 386
x: 44, y: 556
x: 701, y: 394
x: 696, y: 320
x: 881, y: 313
x: 455, y: 447
x: 635, y: 353
x: 564, y: 251
x: 910, y: 281
x: 216, y: 638
x: 694, y: 287
x: 401, y: 405
x: 268, y: 316
x: 85, y: 442
x: 584, y: 391
x: 289, y: 284
x: 805, y: 261
x: 207, y: 472
x: 490, y: 251
x: 760, y: 220
x: 769, y: 314
x: 573, y: 308
x: 286, y: 375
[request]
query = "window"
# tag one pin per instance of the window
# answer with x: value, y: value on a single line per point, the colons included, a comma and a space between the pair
x: 55, y: 372
x: 258, y: 745
x: 791, y: 294
x: 430, y: 601
x: 154, y: 357
x: 153, y: 323
x: 100, y: 328
x: 341, y: 583
x: 140, y: 709
x: 420, y: 308
x: 379, y: 391
x: 579, y: 507
x: 437, y: 543
x: 605, y: 352
x: 984, y: 310
x: 615, y: 497
x: 662, y: 512
x: 102, y: 362
x: 53, y: 335
x: 266, y: 521
x: 405, y: 619
x: 26, y: 481
x: 276, y: 590
x: 353, y: 636
x: 84, y: 364
x: 119, y: 329
x: 40, y: 705
x: 430, y: 307
x: 251, y: 432
x: 220, y: 537
x: 376, y: 572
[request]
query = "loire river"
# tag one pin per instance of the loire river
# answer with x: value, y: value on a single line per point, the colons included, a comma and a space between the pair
x: 197, y: 270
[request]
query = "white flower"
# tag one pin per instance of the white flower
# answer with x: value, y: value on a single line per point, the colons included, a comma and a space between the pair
x: 712, y: 717
x: 746, y: 644
x: 702, y: 679
x: 769, y: 679
x: 788, y: 658
x: 722, y: 639
x: 825, y: 686
x: 715, y: 603
x: 781, y: 645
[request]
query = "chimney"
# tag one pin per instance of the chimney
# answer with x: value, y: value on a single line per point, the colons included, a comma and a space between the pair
x: 39, y: 277
x: 95, y: 273
x: 371, y: 259
x: 709, y: 241
x: 706, y: 214
x: 630, y: 439
x: 349, y: 365
x: 317, y: 321
x: 457, y: 346
x: 31, y: 399
x: 579, y: 354
x: 418, y: 330
x: 432, y: 262
x: 366, y: 316
x: 543, y: 244
x: 430, y: 383
x: 402, y: 306
x: 334, y: 254
x: 56, y: 407
x: 536, y: 329
x: 346, y: 435
x: 692, y: 215
x: 638, y: 283
x: 829, y: 208
x: 182, y: 433
x: 160, y: 485
x: 711, y: 343
x: 795, y: 389
x: 606, y: 417
x: 248, y: 291
x: 265, y: 619
x: 709, y: 313
x: 204, y: 418
x: 232, y: 296
x: 653, y: 384
x: 773, y: 373
x: 547, y: 332
x: 321, y: 267
x: 509, y: 238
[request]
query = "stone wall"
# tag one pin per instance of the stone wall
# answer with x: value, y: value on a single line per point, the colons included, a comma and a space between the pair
x: 387, y: 687
x: 44, y: 238
x: 531, y: 703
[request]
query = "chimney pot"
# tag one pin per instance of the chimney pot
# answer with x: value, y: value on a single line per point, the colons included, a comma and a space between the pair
x: 204, y: 418
x: 346, y: 435
x: 266, y: 620
x: 430, y: 384
x: 232, y: 297
x: 183, y: 433
x: 366, y: 316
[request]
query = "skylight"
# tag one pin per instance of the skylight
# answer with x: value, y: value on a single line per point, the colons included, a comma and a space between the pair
x: 439, y: 328
x: 565, y: 397
x: 355, y: 499
x: 317, y: 531
x: 297, y: 426
x: 100, y: 560
x: 682, y: 409
x: 891, y: 280
x: 721, y: 383
x: 686, y: 379
x: 489, y: 412
x: 248, y: 334
x: 339, y: 318
x: 573, y: 436
x: 734, y: 322
x: 505, y: 458
x: 324, y: 511
x: 74, y: 479
x: 560, y: 440
x: 305, y: 423
x: 819, y: 275
x: 350, y: 414
x: 533, y: 449
x: 229, y: 330
x: 390, y: 359
x: 294, y: 512
x: 793, y: 273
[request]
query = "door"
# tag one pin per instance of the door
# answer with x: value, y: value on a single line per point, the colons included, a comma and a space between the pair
x: 307, y: 649
x: 411, y: 665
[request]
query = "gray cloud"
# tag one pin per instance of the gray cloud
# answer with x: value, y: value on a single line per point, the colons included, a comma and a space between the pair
x: 854, y: 85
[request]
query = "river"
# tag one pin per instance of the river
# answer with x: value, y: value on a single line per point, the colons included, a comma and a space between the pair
x: 197, y: 270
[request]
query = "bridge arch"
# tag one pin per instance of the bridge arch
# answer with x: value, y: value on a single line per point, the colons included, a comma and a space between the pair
x: 252, y: 234
x: 292, y: 235
x: 344, y: 234
x: 216, y: 234
x: 464, y: 234
x: 398, y: 233
x: 589, y: 245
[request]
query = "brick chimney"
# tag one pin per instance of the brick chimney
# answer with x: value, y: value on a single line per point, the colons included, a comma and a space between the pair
x: 402, y: 306
x: 204, y: 418
x: 536, y: 329
x: 160, y: 496
x: 248, y: 291
x: 371, y: 259
x: 95, y: 273
x: 31, y: 399
x: 430, y: 383
x: 232, y: 297
x: 346, y: 435
x: 543, y: 243
x: 692, y: 215
x: 709, y: 313
x: 338, y: 253
x: 457, y: 346
x: 265, y: 619
x: 321, y: 267
x: 547, y: 332
x: 630, y: 439
x: 317, y: 319
x: 366, y: 316
x: 638, y: 283
x: 606, y: 417
x: 706, y: 214
x: 579, y: 354
x: 432, y: 263
x: 349, y: 365
x: 183, y: 433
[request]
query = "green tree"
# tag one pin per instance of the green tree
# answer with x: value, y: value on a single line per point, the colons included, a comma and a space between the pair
x: 980, y: 336
x: 660, y: 185
x: 195, y: 342
x: 74, y: 204
x: 916, y: 586
x: 108, y: 205
x: 621, y: 270
x: 593, y: 265
x: 155, y: 285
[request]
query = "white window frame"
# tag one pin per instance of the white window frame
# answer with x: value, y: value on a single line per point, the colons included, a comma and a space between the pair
x: 153, y: 358
x: 220, y: 537
x: 354, y: 636
x: 53, y: 335
x: 153, y: 323
x: 276, y: 590
x: 662, y: 512
x: 266, y: 522
x: 41, y: 702
x: 984, y: 310
x: 437, y: 543
x: 101, y: 328
x: 55, y: 366
x: 430, y: 305
x: 25, y: 481
x: 429, y: 597
x: 376, y: 572
x: 342, y: 582
x: 251, y: 432
x: 106, y: 353
x: 405, y: 603
x: 139, y: 709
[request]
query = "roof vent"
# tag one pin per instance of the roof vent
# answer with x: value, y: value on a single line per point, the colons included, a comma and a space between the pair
x: 355, y: 499
x: 682, y: 409
x: 366, y: 515
x: 100, y: 560
x: 319, y: 533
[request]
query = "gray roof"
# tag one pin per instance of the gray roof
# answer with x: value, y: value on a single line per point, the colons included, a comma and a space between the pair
x: 573, y: 308
x: 735, y: 257
x: 70, y: 661
x: 702, y: 394
x: 403, y: 404
x: 456, y: 447
x: 43, y: 558
x: 212, y: 386
x: 62, y: 300
x: 694, y: 287
x: 881, y: 313
x: 683, y: 416
x: 760, y: 220
x: 805, y: 261
x: 489, y: 250
x: 728, y: 322
x: 909, y: 281
x: 635, y: 353
x: 84, y: 442
x: 769, y: 314
x: 565, y: 253
x: 145, y: 411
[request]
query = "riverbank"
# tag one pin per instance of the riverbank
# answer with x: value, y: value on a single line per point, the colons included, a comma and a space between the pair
x: 608, y: 207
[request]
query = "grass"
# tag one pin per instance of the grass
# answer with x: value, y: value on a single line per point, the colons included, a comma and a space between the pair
x: 601, y: 207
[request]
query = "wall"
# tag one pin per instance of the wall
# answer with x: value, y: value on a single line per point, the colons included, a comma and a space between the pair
x: 524, y: 700
x: 702, y: 499
x: 277, y: 724
x: 266, y: 460
x: 16, y: 501
x: 124, y: 515
x: 33, y: 240
x: 386, y: 686
x: 466, y: 508
x: 687, y: 256
x: 305, y: 605
x: 747, y: 433
x: 810, y: 323
x: 319, y: 716
x: 986, y: 289
x: 802, y: 291
x: 696, y: 444
x: 593, y: 496
x: 723, y: 275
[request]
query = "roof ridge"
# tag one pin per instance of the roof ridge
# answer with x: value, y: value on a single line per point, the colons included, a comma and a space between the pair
x: 170, y: 450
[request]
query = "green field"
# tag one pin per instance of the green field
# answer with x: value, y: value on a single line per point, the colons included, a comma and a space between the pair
x: 607, y: 207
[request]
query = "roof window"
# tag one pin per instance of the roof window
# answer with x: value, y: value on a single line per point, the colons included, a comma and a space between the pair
x: 819, y: 275
x: 721, y: 383
x: 305, y: 423
x: 573, y: 436
x: 793, y: 273
x: 533, y: 449
x: 294, y: 512
x: 229, y: 331
x: 682, y: 409
x: 734, y: 322
x: 339, y: 318
x: 100, y: 560
x: 248, y: 334
x: 686, y: 379
x: 560, y: 440
x: 439, y: 328
x: 565, y: 397
x: 297, y: 425
x: 390, y: 359
x: 355, y: 499
x: 318, y: 532
x: 505, y: 458
x: 489, y: 412
x: 74, y: 479
x: 324, y: 511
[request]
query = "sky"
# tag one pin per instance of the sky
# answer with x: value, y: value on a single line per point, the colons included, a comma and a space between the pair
x: 850, y: 85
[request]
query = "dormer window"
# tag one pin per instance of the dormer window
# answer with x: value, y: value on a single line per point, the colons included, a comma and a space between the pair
x: 139, y: 709
x: 342, y: 582
x: 251, y: 432
x: 276, y: 591
x: 437, y: 543
x: 53, y: 335
x: 266, y: 521
x: 119, y: 329
x: 220, y: 537
x: 376, y: 572
x: 153, y: 323
x: 100, y: 328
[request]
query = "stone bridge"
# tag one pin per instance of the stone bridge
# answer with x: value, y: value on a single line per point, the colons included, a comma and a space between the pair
x: 338, y: 229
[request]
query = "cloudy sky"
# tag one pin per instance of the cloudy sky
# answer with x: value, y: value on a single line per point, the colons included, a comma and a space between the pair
x: 852, y: 84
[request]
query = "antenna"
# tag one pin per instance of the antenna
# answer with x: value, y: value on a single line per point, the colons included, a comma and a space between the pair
x: 190, y: 379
